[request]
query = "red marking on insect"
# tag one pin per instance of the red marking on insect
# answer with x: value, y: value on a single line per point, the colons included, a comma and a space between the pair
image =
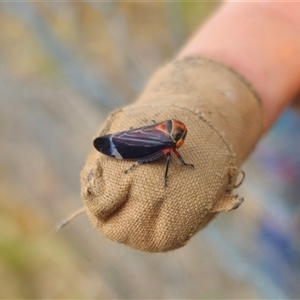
x: 145, y: 144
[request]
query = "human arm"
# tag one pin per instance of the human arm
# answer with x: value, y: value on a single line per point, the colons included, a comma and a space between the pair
x: 226, y: 112
x: 261, y: 41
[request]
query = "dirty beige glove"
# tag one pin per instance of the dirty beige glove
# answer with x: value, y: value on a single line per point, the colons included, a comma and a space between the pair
x: 224, y: 121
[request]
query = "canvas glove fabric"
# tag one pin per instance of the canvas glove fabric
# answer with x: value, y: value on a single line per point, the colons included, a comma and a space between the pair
x: 224, y: 120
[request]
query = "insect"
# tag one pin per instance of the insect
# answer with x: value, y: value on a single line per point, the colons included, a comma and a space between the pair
x: 145, y: 144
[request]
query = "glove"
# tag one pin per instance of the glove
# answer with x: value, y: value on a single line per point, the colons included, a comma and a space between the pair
x: 223, y: 116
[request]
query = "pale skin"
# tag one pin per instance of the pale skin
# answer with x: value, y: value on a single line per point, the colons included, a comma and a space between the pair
x: 261, y: 41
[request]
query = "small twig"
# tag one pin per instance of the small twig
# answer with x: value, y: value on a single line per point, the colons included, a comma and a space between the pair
x: 70, y: 218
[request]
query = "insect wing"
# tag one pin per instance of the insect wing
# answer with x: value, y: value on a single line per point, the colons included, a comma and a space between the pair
x: 134, y: 144
x: 140, y: 143
x: 103, y: 144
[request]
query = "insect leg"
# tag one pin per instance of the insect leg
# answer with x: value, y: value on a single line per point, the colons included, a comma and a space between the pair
x: 181, y: 159
x: 167, y: 167
x: 131, y: 167
x: 146, y: 159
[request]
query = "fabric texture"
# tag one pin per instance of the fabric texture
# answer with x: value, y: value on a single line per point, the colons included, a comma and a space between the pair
x: 223, y: 116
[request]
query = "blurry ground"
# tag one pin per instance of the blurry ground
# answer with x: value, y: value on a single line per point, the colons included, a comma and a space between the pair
x: 63, y: 67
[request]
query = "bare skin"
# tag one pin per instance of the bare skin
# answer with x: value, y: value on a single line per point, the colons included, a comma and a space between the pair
x: 261, y: 41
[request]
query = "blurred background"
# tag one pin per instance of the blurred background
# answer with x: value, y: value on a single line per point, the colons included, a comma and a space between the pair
x: 63, y: 67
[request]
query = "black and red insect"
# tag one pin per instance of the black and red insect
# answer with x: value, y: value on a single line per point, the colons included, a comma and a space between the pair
x: 145, y: 144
